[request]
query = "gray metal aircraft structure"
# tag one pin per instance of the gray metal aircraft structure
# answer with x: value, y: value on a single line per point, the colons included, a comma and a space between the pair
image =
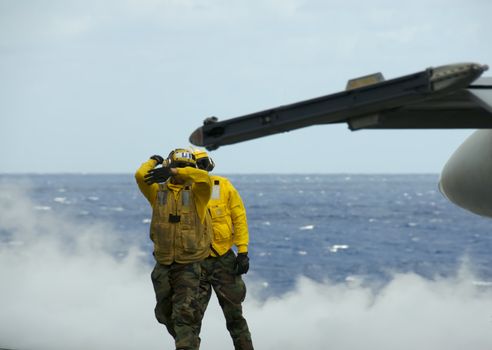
x: 446, y: 97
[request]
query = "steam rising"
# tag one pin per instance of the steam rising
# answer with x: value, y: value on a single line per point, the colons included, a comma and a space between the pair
x: 63, y: 288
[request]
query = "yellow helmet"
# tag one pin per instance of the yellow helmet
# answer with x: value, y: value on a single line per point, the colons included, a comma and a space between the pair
x: 182, y: 157
x: 203, y: 161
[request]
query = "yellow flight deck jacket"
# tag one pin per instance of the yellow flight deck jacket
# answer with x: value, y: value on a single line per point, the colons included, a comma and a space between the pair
x: 181, y: 227
x: 230, y: 226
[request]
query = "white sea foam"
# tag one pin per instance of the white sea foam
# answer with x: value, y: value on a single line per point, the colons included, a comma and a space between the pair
x: 482, y: 283
x: 83, y: 298
x: 117, y: 209
x: 353, y: 280
x: 42, y: 207
x: 146, y: 221
x: 336, y: 247
x: 302, y: 252
x: 436, y: 220
x: 62, y: 200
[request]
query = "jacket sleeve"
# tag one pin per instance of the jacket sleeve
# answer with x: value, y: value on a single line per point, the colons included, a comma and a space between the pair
x: 149, y: 191
x: 201, y: 187
x: 239, y: 220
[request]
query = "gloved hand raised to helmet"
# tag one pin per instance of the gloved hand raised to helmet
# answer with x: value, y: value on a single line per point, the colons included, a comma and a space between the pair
x: 158, y: 175
x: 242, y: 263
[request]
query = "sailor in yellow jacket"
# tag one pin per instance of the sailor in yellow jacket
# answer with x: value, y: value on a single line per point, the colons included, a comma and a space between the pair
x: 223, y: 269
x: 181, y: 230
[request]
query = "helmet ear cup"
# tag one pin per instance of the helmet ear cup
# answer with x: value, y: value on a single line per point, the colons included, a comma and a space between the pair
x: 170, y: 160
x: 205, y: 163
x: 211, y: 164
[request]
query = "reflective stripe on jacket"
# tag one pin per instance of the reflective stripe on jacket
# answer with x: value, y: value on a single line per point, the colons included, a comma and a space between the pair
x: 230, y: 226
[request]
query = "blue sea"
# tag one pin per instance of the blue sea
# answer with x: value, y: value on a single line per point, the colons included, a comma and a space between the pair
x: 367, y: 249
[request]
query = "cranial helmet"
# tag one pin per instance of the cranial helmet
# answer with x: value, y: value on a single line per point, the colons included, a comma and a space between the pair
x: 182, y: 157
x: 203, y: 161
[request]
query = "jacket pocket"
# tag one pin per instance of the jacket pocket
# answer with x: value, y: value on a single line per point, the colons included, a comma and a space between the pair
x: 221, y: 223
x: 193, y: 235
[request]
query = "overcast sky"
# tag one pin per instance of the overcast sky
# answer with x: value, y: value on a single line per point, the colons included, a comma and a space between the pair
x: 99, y: 86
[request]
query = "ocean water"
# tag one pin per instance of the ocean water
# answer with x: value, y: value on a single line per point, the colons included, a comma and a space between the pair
x: 333, y: 227
x: 336, y: 242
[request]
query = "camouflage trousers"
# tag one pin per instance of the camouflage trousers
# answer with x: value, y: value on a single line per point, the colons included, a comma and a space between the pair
x: 219, y: 274
x: 176, y: 288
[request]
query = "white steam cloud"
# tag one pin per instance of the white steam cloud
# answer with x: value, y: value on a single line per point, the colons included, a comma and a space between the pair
x: 61, y: 288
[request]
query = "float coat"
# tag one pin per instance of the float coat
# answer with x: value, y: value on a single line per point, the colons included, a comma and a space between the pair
x: 230, y: 226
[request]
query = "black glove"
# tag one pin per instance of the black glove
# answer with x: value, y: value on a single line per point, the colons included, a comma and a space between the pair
x: 157, y: 175
x: 242, y: 263
x: 157, y: 158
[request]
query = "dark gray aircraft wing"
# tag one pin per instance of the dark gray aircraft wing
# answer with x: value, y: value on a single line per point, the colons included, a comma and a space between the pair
x: 445, y: 97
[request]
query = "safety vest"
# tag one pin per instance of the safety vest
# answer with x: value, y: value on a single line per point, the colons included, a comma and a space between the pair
x: 176, y: 229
